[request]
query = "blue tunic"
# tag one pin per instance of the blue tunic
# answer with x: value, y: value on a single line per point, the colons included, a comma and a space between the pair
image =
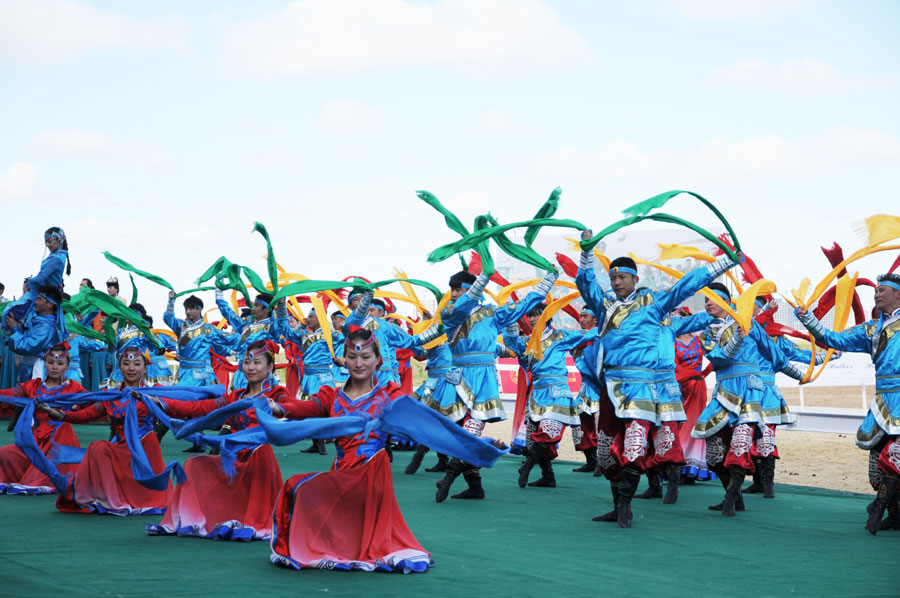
x: 77, y: 345
x: 472, y: 330
x: 630, y: 333
x: 317, y: 360
x: 550, y: 396
x: 195, y: 339
x: 879, y: 339
x: 671, y: 407
x: 738, y: 395
x: 437, y: 391
x: 41, y: 334
x: 247, y: 333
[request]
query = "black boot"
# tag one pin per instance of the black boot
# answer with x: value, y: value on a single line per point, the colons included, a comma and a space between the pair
x: 738, y: 506
x: 627, y: 486
x: 454, y: 468
x: 591, y: 456
x: 614, y: 514
x: 882, y: 500
x: 194, y: 448
x: 654, y: 489
x: 475, y: 489
x: 321, y: 446
x: 547, y: 479
x: 732, y: 493
x: 416, y: 460
x: 756, y: 487
x: 767, y: 476
x: 535, y: 453
x: 313, y: 448
x: 672, y: 489
x: 892, y: 521
x: 440, y: 466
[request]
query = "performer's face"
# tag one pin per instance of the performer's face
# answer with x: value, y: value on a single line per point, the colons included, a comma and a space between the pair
x: 42, y: 306
x: 714, y: 310
x: 533, y: 318
x: 887, y: 299
x: 192, y: 313
x: 112, y: 290
x: 375, y: 311
x: 312, y: 321
x: 623, y: 283
x: 256, y: 369
x: 361, y: 364
x: 587, y: 321
x: 56, y: 365
x: 259, y: 311
x: 456, y: 293
x: 132, y: 369
x: 337, y: 323
x: 52, y: 243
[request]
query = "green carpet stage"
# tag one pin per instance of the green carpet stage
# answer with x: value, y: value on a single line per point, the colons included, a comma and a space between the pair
x: 517, y: 542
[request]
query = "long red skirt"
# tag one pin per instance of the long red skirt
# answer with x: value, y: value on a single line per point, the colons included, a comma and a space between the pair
x: 693, y: 395
x: 345, y: 519
x: 19, y: 476
x: 104, y: 482
x: 208, y: 505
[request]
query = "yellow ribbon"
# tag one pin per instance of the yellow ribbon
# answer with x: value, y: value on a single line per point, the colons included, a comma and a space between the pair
x: 824, y: 284
x: 674, y: 251
x: 534, y: 346
x: 576, y: 246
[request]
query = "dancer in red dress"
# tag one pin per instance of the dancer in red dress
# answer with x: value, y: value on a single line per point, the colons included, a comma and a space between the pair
x: 17, y: 474
x: 104, y: 481
x: 212, y: 503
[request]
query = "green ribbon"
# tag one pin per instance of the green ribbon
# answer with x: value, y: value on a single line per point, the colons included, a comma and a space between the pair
x: 547, y: 211
x: 271, y: 264
x: 129, y: 268
x: 88, y: 299
x: 72, y: 325
x: 134, y: 290
x: 302, y: 287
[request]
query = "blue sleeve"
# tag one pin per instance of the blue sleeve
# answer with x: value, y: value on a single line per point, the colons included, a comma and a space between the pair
x: 90, y: 344
x: 513, y: 312
x: 33, y: 341
x: 51, y: 266
x: 223, y: 342
x: 172, y: 322
x: 690, y: 283
x: 281, y: 327
x: 689, y: 324
x: 854, y: 340
x: 572, y: 339
x: 461, y: 310
x: 767, y: 348
x: 515, y: 343
x: 793, y: 352
x: 232, y: 318
x: 591, y: 292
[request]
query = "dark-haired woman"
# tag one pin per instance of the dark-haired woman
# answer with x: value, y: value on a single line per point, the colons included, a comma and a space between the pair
x: 104, y: 482
x: 212, y: 504
x: 17, y: 474
x: 348, y: 518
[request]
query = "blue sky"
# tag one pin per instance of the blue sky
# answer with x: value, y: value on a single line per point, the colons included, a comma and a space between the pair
x: 160, y: 131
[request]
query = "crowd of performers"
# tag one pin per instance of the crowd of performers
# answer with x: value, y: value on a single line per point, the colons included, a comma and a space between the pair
x: 642, y: 408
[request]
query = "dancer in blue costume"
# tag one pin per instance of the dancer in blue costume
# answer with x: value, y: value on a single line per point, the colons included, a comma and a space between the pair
x: 671, y: 408
x: 775, y: 411
x: 78, y: 346
x: 50, y: 274
x: 434, y: 392
x: 585, y: 437
x: 368, y: 313
x: 317, y: 359
x: 259, y: 328
x: 551, y: 406
x: 338, y: 371
x: 195, y: 340
x: 472, y: 330
x: 42, y: 332
x: 727, y: 423
x: 880, y: 431
x: 630, y: 329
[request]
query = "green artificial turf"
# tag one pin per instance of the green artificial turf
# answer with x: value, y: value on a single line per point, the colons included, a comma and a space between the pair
x: 517, y: 542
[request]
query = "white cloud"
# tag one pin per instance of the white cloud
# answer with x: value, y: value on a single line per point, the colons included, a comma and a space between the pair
x: 721, y: 159
x: 348, y: 116
x: 735, y: 10
x: 20, y: 181
x: 316, y: 36
x: 91, y: 144
x: 498, y: 121
x: 49, y: 31
x: 799, y: 76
